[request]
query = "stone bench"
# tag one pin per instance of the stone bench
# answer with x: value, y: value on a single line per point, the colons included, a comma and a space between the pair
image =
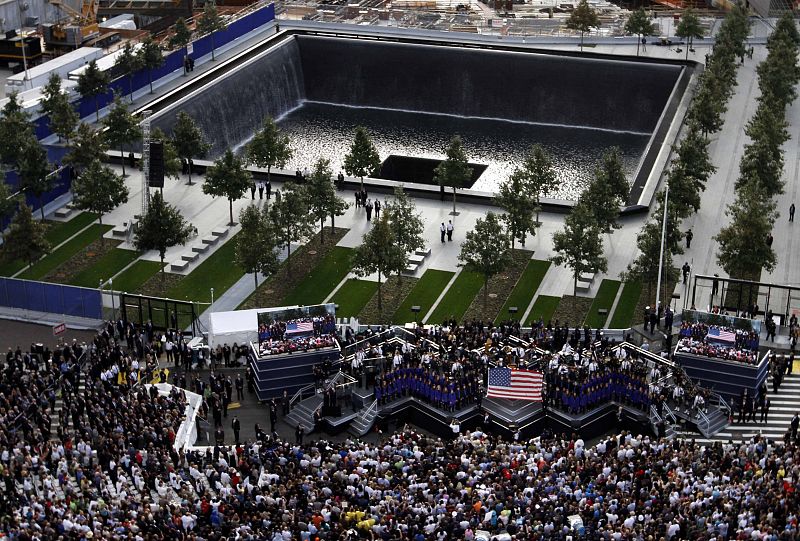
x: 191, y: 256
x: 416, y: 258
x: 582, y: 287
x: 424, y: 252
x: 586, y: 277
x: 219, y: 232
x: 179, y: 265
x: 63, y: 212
x: 120, y: 231
x: 200, y: 248
x: 411, y: 268
x: 209, y: 240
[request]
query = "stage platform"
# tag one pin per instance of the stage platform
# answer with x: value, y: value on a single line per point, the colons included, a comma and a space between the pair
x: 727, y: 378
x: 275, y: 373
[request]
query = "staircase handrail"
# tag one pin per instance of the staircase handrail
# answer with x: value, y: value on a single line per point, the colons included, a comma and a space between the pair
x: 299, y: 394
x: 669, y: 413
x: 372, y: 408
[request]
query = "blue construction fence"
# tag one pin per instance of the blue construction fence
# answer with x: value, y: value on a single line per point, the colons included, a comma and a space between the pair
x: 172, y: 62
x: 62, y: 181
x: 51, y: 298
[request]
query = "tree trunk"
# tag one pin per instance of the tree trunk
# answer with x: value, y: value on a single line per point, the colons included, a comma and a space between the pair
x: 362, y: 182
x: 255, y: 275
x: 130, y: 85
x: 288, y: 249
x: 688, y: 46
x: 485, y: 294
x: 454, y: 200
x: 322, y: 230
x: 96, y: 110
x: 189, y: 168
x: 380, y: 305
x: 150, y: 79
x: 212, y: 47
x: 581, y: 41
x: 122, y: 155
x: 575, y: 285
x: 230, y: 208
x: 333, y: 226
x: 638, y: 41
x: 161, y: 255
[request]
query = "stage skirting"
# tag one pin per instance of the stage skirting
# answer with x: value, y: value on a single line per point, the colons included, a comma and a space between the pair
x: 275, y: 373
x: 728, y: 378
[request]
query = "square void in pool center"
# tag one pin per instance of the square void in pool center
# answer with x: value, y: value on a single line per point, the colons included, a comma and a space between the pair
x: 420, y: 170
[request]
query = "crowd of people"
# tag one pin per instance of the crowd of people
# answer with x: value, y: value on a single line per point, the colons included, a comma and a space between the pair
x: 282, y: 337
x: 447, y: 392
x: 702, y: 339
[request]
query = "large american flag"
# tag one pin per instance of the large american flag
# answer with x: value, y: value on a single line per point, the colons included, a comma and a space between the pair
x: 515, y: 384
x: 722, y: 335
x: 299, y: 327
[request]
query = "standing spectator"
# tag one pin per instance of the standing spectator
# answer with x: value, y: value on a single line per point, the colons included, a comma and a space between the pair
x: 770, y: 238
x: 689, y: 237
x: 442, y: 231
x: 791, y: 213
x: 260, y: 190
x: 273, y: 415
x: 449, y: 230
x: 377, y: 208
x: 239, y: 387
x: 793, y: 425
x: 686, y: 269
x: 368, y: 207
x: 766, y: 403
x: 253, y: 190
x: 298, y: 434
x: 236, y: 426
x: 269, y: 190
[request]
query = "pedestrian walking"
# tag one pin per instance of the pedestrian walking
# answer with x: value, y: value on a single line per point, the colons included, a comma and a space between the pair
x: 449, y: 230
x: 377, y: 208
x: 715, y: 285
x: 261, y: 190
x: 368, y: 207
x: 791, y: 213
x: 686, y: 269
x: 358, y: 199
x: 765, y: 410
x: 689, y: 237
x: 442, y: 231
x: 794, y: 424
x: 237, y: 426
x: 770, y: 238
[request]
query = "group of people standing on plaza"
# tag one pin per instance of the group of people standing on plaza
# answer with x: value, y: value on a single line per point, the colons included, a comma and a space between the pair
x: 369, y: 206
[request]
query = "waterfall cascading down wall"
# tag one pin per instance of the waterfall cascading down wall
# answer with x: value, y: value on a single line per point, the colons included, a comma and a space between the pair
x: 232, y: 108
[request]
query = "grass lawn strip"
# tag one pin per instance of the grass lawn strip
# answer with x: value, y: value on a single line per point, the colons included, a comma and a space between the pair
x: 458, y: 298
x: 572, y: 311
x: 426, y: 290
x: 138, y: 273
x: 55, y: 259
x: 624, y: 312
x: 526, y: 287
x: 217, y: 271
x: 353, y: 296
x: 606, y: 294
x: 499, y: 288
x: 57, y: 232
x: 104, y: 267
x: 318, y: 283
x: 274, y: 291
x: 544, y: 307
x: 394, y: 291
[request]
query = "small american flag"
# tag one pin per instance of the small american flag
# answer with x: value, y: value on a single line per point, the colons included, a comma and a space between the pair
x: 722, y: 335
x: 515, y: 384
x: 301, y: 327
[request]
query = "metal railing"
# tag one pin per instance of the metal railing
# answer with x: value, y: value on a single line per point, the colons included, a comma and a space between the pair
x: 371, y: 411
x: 299, y: 394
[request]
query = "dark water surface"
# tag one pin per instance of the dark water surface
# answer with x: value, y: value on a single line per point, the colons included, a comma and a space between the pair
x: 321, y: 130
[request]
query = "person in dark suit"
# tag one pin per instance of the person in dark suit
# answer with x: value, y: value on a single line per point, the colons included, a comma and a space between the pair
x: 298, y: 434
x: 273, y: 415
x: 791, y: 213
x: 236, y: 426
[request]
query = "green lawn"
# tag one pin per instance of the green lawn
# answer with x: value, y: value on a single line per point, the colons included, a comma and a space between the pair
x: 57, y: 232
x: 458, y: 298
x: 623, y: 314
x: 424, y: 294
x: 55, y: 259
x: 353, y: 296
x: 525, y: 289
x: 218, y: 271
x: 544, y: 307
x: 323, y: 278
x: 106, y: 267
x: 604, y: 299
x: 137, y: 274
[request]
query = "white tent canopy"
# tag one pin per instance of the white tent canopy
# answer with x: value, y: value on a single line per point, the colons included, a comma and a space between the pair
x: 239, y: 326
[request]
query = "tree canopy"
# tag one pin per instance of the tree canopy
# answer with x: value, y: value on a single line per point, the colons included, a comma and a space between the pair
x: 363, y: 159
x: 486, y: 249
x: 161, y: 228
x: 228, y: 178
x: 454, y: 171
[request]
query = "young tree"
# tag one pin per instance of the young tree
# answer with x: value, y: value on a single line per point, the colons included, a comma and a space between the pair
x: 602, y: 202
x: 707, y: 109
x: 454, y: 171
x: 152, y: 58
x: 690, y: 172
x: 613, y: 174
x: 210, y: 22
x: 92, y: 83
x: 87, y: 145
x: 515, y: 198
x: 8, y: 204
x: 540, y: 176
x: 378, y: 253
x: 291, y: 217
x: 181, y: 38
x: 406, y: 223
x: 487, y: 249
x: 128, y: 63
x: 55, y: 104
x: 15, y: 127
x: 269, y: 147
x: 99, y: 189
x: 639, y: 24
x: 322, y: 198
x: 121, y: 128
x: 34, y: 171
x: 580, y: 245
x: 743, y: 250
x: 188, y: 139
x: 161, y: 227
x: 363, y: 158
x: 228, y: 178
x: 583, y: 18
x: 256, y: 243
x: 26, y: 239
x: 689, y: 28
x: 172, y: 162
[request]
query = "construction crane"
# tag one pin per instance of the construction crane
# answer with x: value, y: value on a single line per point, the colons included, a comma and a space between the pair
x: 77, y: 28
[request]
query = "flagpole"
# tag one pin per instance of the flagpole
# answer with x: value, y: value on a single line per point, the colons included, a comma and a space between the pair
x: 661, y: 255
